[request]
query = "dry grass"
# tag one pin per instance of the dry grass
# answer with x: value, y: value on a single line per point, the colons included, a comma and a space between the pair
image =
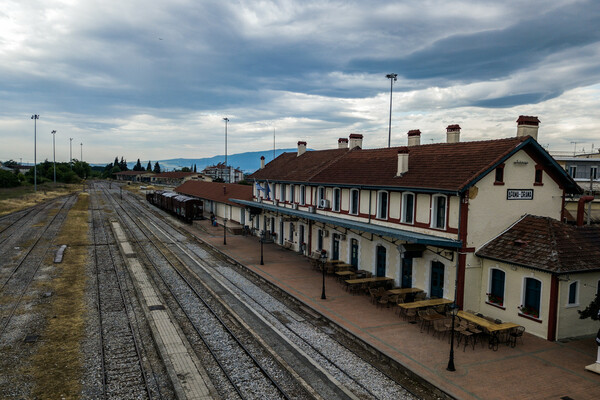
x: 16, y: 199
x: 57, y: 365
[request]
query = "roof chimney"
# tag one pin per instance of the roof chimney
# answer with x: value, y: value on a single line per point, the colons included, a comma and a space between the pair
x: 527, y: 125
x: 402, y: 161
x: 414, y: 137
x: 356, y: 140
x: 262, y: 162
x: 453, y: 133
x: 301, y: 148
x: 342, y: 143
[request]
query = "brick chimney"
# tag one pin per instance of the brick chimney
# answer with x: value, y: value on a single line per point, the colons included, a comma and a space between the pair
x: 527, y: 125
x: 262, y: 162
x: 402, y: 161
x: 342, y: 143
x: 453, y: 133
x: 356, y: 140
x: 414, y: 137
x: 301, y: 148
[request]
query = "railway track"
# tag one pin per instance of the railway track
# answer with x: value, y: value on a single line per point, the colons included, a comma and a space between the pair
x: 123, y: 372
x: 330, y: 357
x: 248, y: 369
x: 17, y: 277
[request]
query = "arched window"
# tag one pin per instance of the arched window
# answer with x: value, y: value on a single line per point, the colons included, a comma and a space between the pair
x: 497, y: 282
x: 408, y: 208
x: 354, y: 201
x: 532, y: 296
x: 573, y: 299
x: 382, y: 205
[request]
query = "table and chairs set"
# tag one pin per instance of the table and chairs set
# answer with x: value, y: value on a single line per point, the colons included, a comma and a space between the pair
x: 413, y: 305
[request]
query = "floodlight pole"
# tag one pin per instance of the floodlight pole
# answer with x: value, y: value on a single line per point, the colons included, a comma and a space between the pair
x: 226, y: 121
x: 35, y: 117
x: 54, y: 153
x: 392, y: 78
x: 71, y: 153
x: 81, y: 154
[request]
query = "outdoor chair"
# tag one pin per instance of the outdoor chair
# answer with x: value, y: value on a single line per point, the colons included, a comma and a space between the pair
x: 420, y: 296
x: 515, y: 334
x: 474, y: 329
x: 440, y: 327
x: 383, y: 301
x: 399, y: 301
x: 466, y: 335
x: 393, y: 300
x: 374, y: 295
x: 425, y: 322
x: 410, y: 313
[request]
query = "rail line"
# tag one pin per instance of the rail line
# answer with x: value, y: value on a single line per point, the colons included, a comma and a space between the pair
x: 20, y: 277
x: 123, y: 372
x: 238, y: 372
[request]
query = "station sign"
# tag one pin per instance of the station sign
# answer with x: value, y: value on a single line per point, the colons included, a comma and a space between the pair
x: 519, y: 194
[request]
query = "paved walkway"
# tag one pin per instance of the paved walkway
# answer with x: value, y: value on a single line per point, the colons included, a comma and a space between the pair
x: 536, y: 369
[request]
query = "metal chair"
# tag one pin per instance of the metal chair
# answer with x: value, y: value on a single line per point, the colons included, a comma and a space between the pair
x: 515, y: 334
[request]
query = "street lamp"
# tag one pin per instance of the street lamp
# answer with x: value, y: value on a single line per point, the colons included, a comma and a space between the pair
x: 71, y: 153
x: 225, y: 231
x: 54, y: 153
x: 262, y: 240
x: 226, y: 121
x: 392, y: 78
x: 35, y: 117
x: 450, y: 366
x: 81, y: 154
x: 323, y: 259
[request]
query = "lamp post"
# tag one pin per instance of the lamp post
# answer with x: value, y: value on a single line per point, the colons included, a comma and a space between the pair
x: 262, y: 240
x: 81, y: 154
x: 54, y: 153
x: 35, y: 117
x: 226, y: 121
x: 225, y: 231
x: 71, y: 153
x: 450, y: 366
x: 392, y: 78
x: 323, y: 259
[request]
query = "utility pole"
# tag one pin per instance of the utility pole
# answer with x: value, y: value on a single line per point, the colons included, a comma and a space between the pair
x: 81, y: 158
x: 71, y: 153
x: 54, y: 153
x: 226, y: 169
x: 35, y: 117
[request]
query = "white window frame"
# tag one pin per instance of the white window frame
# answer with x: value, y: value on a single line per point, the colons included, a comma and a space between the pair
x: 302, y: 195
x: 292, y: 193
x: 576, y: 304
x: 434, y: 211
x: 594, y: 172
x: 336, y: 204
x: 357, y: 202
x: 572, y: 171
x: 319, y: 196
x: 489, y: 288
x: 523, y: 288
x: 282, y: 190
x: 403, y: 211
x: 387, y: 207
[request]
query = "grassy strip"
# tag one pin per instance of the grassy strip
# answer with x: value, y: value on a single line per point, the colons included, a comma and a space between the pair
x: 15, y: 199
x: 57, y: 365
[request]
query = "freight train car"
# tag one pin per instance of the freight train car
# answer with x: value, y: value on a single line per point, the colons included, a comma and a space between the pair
x: 184, y: 207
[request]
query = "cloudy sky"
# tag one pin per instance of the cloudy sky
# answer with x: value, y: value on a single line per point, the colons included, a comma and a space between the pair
x: 153, y: 80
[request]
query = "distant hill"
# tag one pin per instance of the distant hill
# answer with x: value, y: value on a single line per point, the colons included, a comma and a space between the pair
x: 247, y: 162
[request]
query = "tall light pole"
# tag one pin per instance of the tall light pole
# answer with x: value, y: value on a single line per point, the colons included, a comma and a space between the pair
x: 392, y: 78
x: 71, y: 152
x: 35, y: 117
x: 574, y: 148
x: 54, y: 153
x: 226, y: 121
x: 81, y: 154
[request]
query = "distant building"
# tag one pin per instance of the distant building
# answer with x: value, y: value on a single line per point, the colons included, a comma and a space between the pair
x: 225, y: 173
x: 585, y: 170
x: 176, y: 178
x: 134, y: 176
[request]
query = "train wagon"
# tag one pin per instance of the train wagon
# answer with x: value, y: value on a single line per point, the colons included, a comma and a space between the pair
x: 185, y: 207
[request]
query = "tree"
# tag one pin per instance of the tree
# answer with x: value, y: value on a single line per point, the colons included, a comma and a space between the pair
x: 186, y: 169
x: 156, y: 168
x: 123, y: 164
x: 592, y: 310
x: 8, y: 179
x: 149, y: 166
x: 138, y: 166
x: 195, y: 170
x: 116, y: 161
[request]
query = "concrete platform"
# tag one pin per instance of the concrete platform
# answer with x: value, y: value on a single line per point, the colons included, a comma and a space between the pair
x: 535, y: 369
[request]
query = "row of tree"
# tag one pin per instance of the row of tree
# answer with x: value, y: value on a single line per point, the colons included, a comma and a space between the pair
x: 121, y: 165
x: 65, y: 173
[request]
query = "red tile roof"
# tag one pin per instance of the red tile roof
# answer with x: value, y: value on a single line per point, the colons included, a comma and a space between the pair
x: 175, y: 174
x: 133, y: 173
x: 439, y: 166
x: 220, y: 192
x: 547, y: 244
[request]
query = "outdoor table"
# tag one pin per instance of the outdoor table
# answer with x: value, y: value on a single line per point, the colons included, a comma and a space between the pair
x: 493, y: 328
x: 425, y: 303
x: 343, y: 267
x: 344, y: 274
x: 334, y: 262
x: 404, y: 291
x: 374, y: 279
